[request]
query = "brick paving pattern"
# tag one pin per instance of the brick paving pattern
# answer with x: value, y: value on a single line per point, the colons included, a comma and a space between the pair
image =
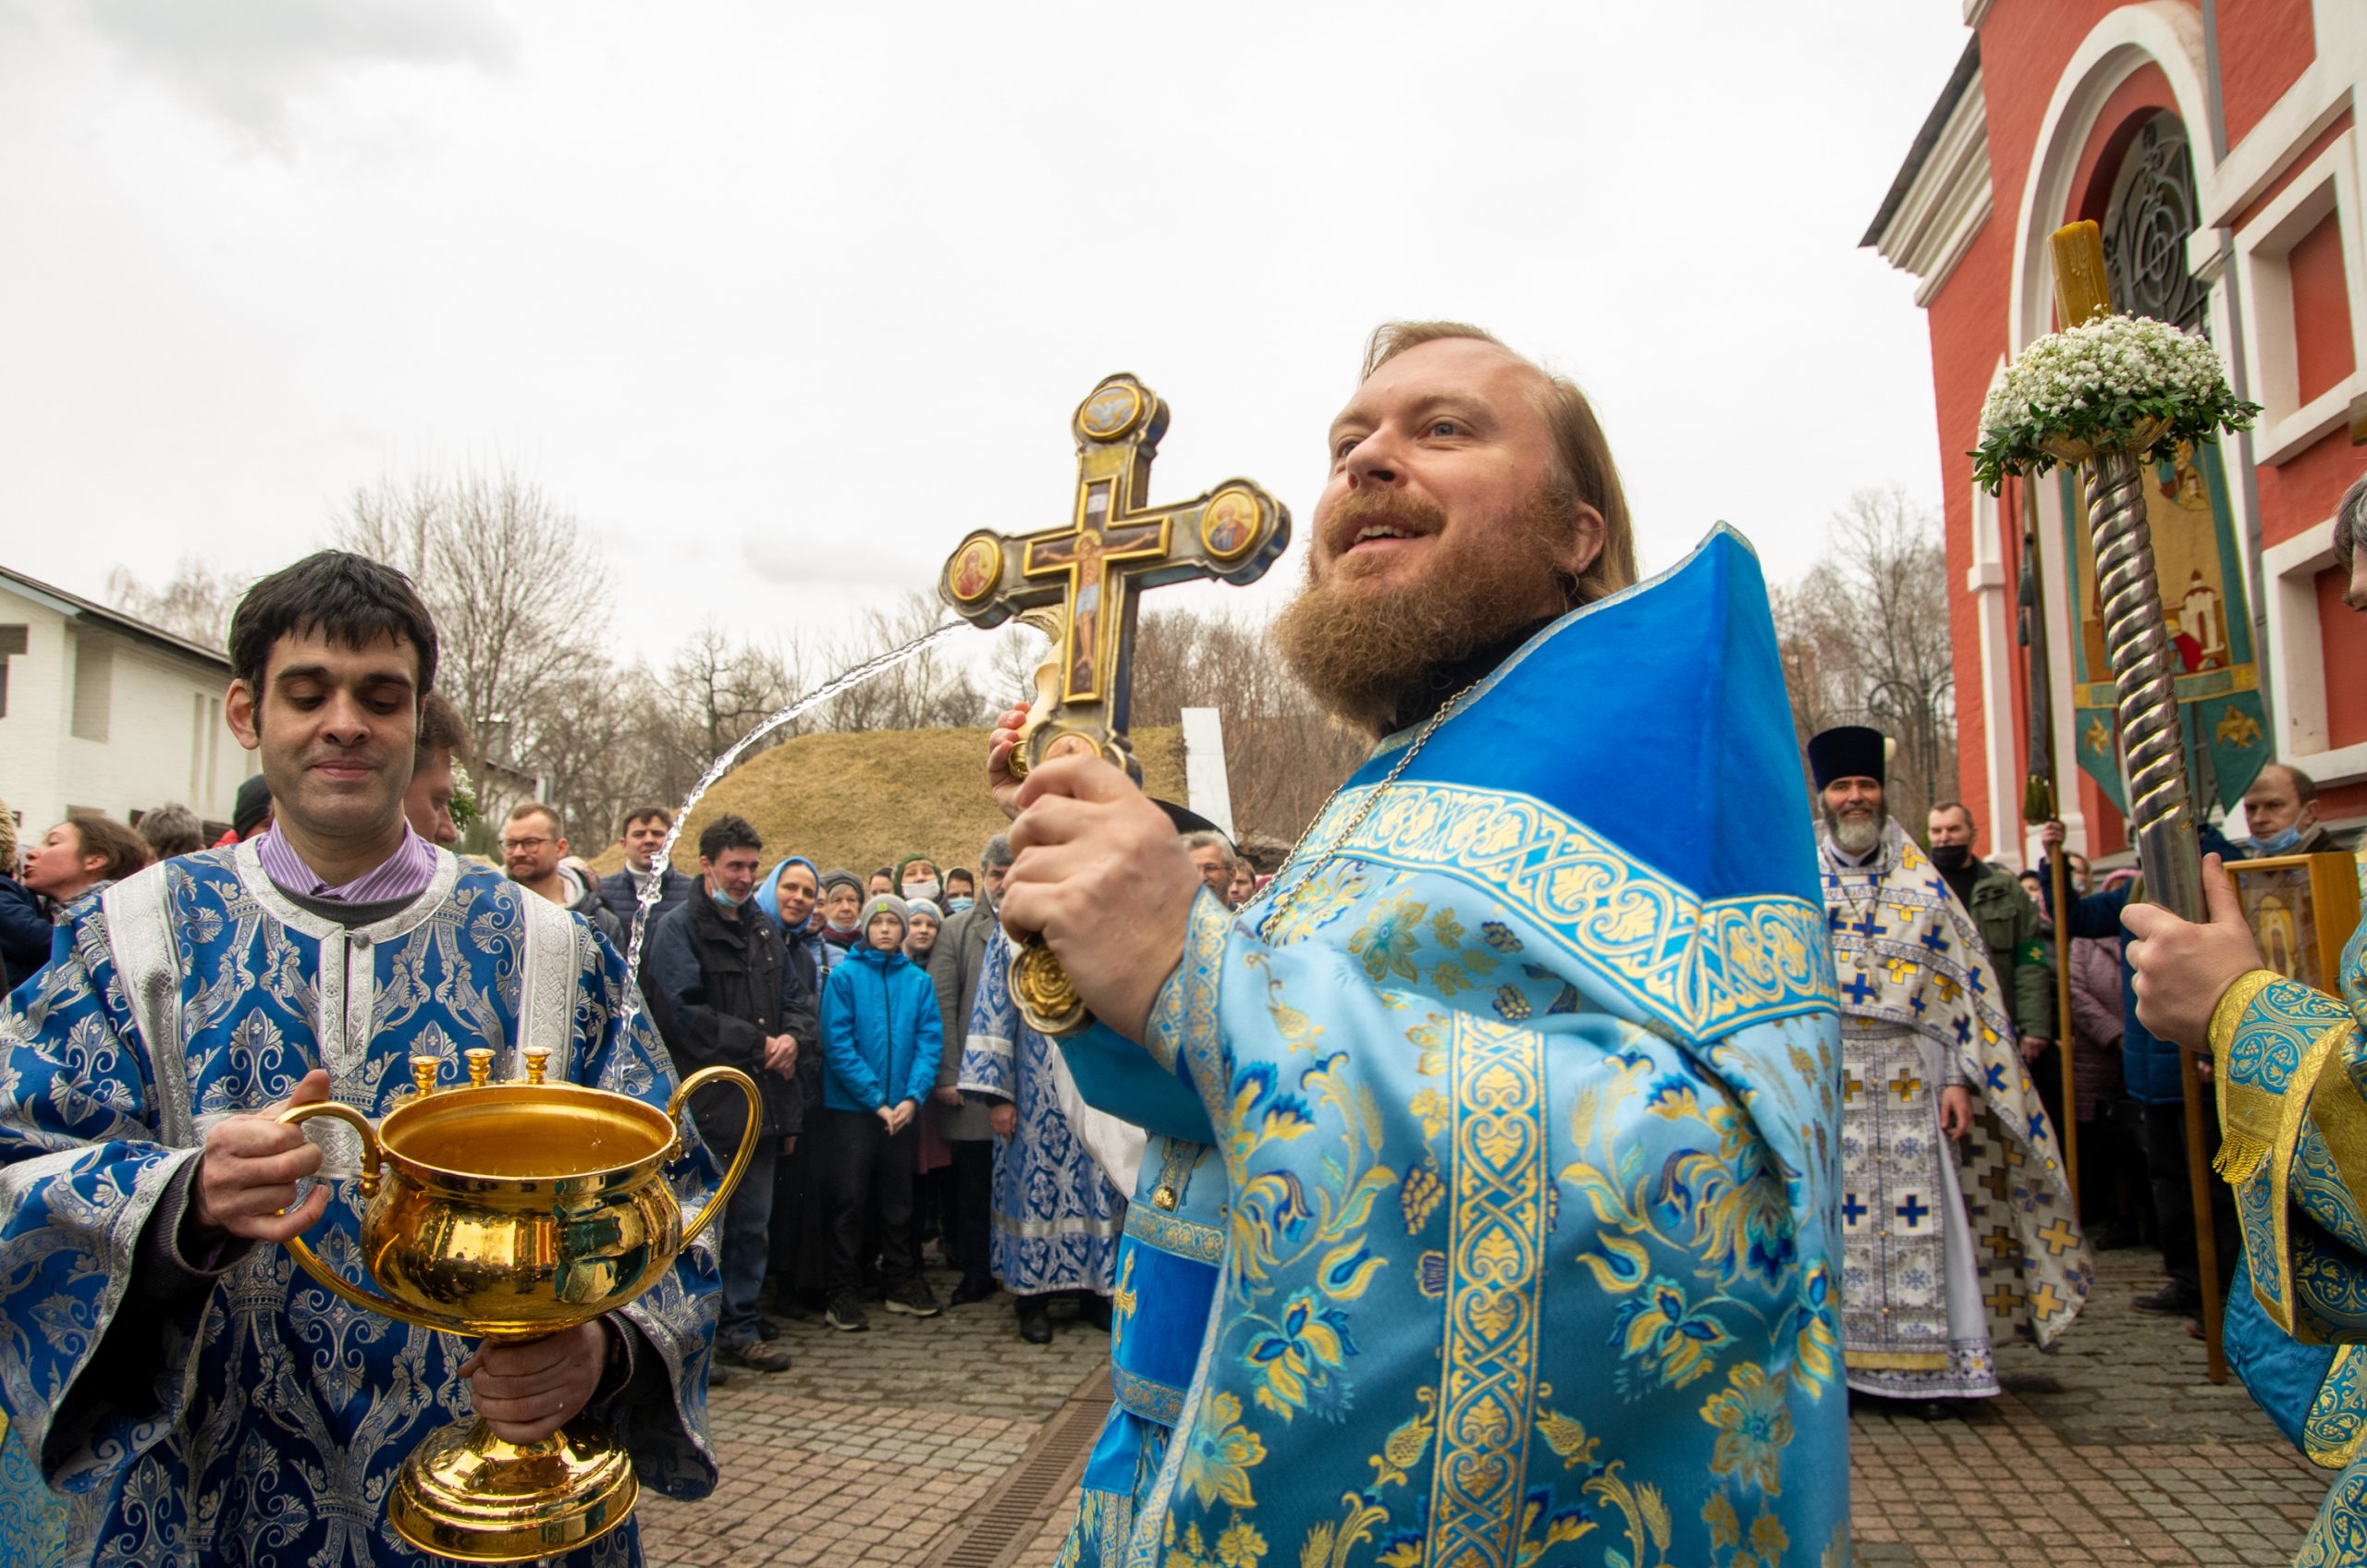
x: 2113, y: 1451
x: 872, y: 1446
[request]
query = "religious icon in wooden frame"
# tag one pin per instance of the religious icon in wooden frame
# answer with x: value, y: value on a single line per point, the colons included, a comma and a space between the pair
x: 2301, y: 909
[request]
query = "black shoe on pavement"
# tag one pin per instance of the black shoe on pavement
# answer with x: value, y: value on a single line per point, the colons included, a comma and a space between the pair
x: 2175, y: 1299
x: 846, y: 1315
x: 1035, y: 1321
x: 970, y: 1290
x: 757, y: 1355
x: 913, y: 1298
x: 1093, y: 1309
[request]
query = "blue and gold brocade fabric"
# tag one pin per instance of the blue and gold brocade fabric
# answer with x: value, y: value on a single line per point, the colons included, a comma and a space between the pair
x: 2292, y: 1076
x: 1526, y: 1095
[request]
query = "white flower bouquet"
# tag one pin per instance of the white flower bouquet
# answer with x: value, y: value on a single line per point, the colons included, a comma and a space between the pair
x: 465, y: 797
x: 2126, y: 382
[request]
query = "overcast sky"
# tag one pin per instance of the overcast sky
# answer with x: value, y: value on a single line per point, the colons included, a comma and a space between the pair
x: 781, y: 299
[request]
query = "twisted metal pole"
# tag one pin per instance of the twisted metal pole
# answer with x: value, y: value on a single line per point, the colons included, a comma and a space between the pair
x: 2139, y: 650
x: 2159, y: 808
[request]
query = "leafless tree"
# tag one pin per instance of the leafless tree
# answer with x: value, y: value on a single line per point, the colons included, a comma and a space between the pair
x: 722, y: 689
x: 196, y: 602
x: 1864, y: 637
x: 933, y: 690
x: 515, y: 588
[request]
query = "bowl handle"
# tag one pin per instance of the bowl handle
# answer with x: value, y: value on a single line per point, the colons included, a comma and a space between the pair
x: 755, y: 1130
x: 369, y: 1301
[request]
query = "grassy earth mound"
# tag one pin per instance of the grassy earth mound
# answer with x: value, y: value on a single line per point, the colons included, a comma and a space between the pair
x: 866, y: 799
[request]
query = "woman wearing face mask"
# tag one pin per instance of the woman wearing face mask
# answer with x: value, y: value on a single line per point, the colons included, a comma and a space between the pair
x: 841, y: 910
x: 960, y: 891
x: 916, y: 879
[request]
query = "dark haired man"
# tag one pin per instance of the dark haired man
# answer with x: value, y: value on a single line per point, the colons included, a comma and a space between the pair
x: 731, y: 997
x: 640, y: 837
x: 158, y: 1361
x: 1497, y: 985
x: 443, y: 742
x: 2009, y: 924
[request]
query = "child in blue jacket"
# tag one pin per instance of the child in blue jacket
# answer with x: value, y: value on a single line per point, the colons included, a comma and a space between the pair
x: 882, y: 1040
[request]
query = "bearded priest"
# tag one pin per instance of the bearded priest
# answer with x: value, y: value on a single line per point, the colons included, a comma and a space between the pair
x: 1937, y: 1267
x: 1526, y: 1080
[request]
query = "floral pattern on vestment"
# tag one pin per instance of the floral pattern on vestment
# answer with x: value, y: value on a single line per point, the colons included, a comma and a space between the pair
x: 2292, y: 1081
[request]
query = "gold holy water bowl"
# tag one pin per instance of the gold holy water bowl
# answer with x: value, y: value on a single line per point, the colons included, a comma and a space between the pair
x: 510, y: 1211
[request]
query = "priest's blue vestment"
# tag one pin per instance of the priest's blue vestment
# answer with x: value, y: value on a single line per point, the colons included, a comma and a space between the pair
x: 258, y: 1419
x: 1526, y: 1078
x: 2293, y: 1083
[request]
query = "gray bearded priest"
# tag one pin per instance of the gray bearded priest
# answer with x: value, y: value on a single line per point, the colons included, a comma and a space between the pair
x: 1956, y: 1222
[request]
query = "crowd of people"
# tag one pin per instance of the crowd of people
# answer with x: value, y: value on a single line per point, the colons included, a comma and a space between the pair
x: 851, y: 997
x: 1795, y: 1077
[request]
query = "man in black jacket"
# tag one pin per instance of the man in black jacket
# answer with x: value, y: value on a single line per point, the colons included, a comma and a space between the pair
x: 725, y: 993
x: 642, y: 837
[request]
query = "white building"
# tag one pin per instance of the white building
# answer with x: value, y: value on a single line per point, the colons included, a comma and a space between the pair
x: 104, y: 712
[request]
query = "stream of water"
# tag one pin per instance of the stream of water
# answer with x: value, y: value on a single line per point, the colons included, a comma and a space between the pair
x: 846, y: 681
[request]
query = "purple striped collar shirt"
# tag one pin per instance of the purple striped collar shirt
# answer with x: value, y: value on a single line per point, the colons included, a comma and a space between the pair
x: 403, y: 874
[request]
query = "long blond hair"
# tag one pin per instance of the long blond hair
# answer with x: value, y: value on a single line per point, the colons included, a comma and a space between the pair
x: 1582, y: 454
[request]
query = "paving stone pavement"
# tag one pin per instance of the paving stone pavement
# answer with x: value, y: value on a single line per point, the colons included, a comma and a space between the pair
x: 2113, y: 1451
x: 869, y: 1448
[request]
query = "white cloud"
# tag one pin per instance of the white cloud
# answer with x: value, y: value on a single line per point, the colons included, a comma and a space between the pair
x: 786, y: 299
x: 245, y: 60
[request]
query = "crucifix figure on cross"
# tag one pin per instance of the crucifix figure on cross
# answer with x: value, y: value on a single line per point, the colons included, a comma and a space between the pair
x: 1115, y: 543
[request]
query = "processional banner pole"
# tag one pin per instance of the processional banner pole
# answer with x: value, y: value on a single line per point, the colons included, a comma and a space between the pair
x: 2038, y: 806
x: 2136, y: 642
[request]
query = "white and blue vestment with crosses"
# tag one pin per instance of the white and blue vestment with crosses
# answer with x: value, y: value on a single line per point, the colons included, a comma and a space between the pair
x: 1937, y: 1264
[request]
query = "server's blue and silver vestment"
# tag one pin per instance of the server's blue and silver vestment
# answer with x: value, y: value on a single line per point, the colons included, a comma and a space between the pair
x: 1527, y: 1100
x: 259, y: 1420
x: 1055, y: 1215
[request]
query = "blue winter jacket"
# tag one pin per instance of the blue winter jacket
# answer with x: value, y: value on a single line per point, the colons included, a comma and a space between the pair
x: 881, y: 1036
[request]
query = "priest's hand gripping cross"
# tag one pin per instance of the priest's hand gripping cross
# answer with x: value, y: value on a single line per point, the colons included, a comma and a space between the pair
x: 1114, y: 544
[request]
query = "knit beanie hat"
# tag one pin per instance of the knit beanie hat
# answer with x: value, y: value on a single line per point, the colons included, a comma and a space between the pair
x: 832, y: 878
x: 253, y: 806
x: 915, y: 908
x: 885, y: 903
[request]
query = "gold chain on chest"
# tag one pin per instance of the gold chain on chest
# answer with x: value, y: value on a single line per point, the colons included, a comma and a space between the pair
x: 1289, y: 895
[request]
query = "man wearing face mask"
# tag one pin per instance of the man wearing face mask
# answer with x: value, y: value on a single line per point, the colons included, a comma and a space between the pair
x: 2009, y: 924
x: 2281, y: 809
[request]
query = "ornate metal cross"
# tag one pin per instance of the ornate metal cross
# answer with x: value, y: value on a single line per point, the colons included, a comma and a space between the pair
x: 1115, y: 545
